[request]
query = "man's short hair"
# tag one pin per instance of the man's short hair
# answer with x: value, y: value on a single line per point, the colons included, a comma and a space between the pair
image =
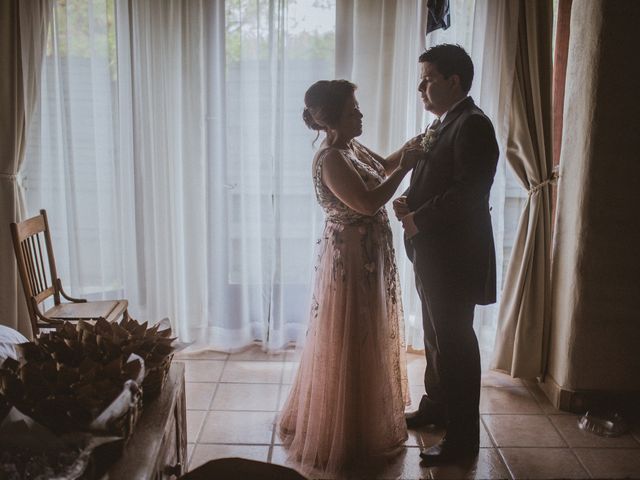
x: 451, y: 60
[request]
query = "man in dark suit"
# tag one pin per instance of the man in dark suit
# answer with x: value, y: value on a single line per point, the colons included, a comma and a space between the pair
x: 449, y: 239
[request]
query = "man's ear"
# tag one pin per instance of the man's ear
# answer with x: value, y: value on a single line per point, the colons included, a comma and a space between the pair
x: 455, y: 80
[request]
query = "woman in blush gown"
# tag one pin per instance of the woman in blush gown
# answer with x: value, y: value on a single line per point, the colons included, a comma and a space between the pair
x: 346, y: 405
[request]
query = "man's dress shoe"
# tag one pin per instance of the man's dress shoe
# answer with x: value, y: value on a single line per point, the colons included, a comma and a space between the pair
x: 429, y: 413
x: 450, y: 451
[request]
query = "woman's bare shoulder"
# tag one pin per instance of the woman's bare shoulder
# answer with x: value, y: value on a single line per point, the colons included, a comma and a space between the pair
x: 328, y: 155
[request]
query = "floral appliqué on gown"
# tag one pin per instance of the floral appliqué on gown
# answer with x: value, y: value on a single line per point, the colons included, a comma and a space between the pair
x: 346, y: 405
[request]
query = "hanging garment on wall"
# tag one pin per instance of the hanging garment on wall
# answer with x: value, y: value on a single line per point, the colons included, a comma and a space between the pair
x: 438, y: 15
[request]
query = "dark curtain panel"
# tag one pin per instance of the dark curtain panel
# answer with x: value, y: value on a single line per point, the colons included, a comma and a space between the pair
x: 438, y: 15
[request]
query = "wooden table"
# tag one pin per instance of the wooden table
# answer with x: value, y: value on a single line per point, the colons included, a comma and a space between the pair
x: 157, y: 450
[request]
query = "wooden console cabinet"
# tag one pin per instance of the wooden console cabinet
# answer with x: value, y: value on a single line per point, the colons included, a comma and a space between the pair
x: 157, y: 450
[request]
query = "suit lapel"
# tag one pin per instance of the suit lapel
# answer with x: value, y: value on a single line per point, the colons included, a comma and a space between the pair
x: 455, y: 113
x: 417, y: 172
x: 448, y: 120
x: 451, y: 117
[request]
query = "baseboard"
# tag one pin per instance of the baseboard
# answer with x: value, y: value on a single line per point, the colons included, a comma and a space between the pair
x: 561, y: 398
x: 579, y: 401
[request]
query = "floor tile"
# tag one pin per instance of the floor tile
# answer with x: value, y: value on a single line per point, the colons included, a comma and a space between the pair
x: 246, y: 396
x: 543, y: 401
x: 485, y: 438
x: 290, y: 370
x: 610, y: 463
x: 190, y: 448
x: 523, y: 431
x: 255, y: 352
x: 284, y: 394
x: 204, y: 453
x: 409, y: 466
x: 279, y: 457
x: 405, y: 465
x: 252, y: 372
x: 277, y: 441
x: 195, y: 419
x: 199, y: 395
x: 200, y: 354
x: 530, y: 382
x: 542, y: 463
x: 237, y: 427
x: 203, y: 370
x: 488, y: 465
x: 507, y: 400
x: 493, y: 378
x: 521, y: 434
x: 430, y: 435
x: 424, y: 436
x: 576, y: 437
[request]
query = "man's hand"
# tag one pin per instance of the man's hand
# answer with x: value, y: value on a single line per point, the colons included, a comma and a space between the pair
x: 400, y: 207
x: 403, y: 214
x: 410, y: 229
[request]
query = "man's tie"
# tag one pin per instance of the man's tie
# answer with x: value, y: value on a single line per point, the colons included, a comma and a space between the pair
x: 435, y: 124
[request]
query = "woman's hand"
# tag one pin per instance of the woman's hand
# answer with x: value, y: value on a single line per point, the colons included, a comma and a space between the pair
x: 412, y: 153
x: 413, y: 142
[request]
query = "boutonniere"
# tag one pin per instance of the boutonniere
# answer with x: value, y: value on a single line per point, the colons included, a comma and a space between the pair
x: 429, y: 139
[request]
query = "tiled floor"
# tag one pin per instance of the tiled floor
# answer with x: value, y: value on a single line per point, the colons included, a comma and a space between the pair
x: 233, y: 400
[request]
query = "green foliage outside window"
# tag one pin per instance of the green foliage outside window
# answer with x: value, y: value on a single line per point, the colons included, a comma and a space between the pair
x: 248, y: 27
x: 83, y: 31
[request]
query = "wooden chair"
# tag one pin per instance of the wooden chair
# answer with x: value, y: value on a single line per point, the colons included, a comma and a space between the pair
x: 29, y: 238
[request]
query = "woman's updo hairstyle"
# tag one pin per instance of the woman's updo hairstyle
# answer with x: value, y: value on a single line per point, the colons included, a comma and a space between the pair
x: 324, y: 102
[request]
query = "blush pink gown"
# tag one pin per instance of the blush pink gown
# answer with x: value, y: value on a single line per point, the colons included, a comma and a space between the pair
x: 346, y: 405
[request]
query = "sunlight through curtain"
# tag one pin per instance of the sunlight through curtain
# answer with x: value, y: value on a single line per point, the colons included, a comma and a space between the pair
x: 170, y: 152
x: 382, y: 43
x: 169, y: 149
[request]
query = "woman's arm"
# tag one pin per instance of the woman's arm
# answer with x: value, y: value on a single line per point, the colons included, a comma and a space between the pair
x: 340, y: 176
x: 393, y: 160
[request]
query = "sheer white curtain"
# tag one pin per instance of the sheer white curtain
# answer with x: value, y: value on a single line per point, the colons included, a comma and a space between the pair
x: 70, y: 168
x: 162, y: 73
x: 169, y: 148
x: 274, y: 51
x: 170, y: 151
x: 381, y: 43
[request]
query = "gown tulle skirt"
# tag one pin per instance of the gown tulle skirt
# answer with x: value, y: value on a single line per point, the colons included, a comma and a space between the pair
x: 346, y: 405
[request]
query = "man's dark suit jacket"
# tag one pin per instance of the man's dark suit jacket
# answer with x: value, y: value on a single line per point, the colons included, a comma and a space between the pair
x: 449, y: 195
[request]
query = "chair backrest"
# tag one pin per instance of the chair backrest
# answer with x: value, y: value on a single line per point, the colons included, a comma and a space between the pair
x: 36, y: 263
